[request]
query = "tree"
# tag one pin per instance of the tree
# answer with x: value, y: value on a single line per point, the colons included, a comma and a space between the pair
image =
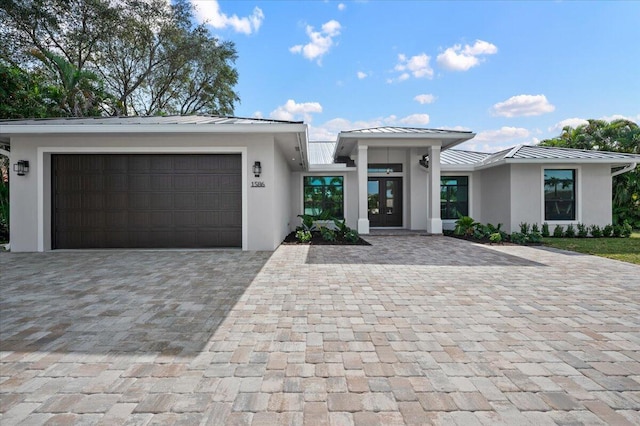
x: 148, y: 54
x: 616, y: 136
x: 24, y: 94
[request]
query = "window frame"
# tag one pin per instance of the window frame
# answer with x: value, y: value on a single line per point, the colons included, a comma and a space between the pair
x: 577, y: 190
x: 469, y: 177
x: 324, y: 175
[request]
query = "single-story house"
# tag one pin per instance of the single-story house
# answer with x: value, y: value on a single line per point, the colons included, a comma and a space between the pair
x: 206, y: 181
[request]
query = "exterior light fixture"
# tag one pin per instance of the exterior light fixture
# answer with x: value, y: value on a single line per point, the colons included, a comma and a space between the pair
x: 21, y: 167
x: 257, y: 169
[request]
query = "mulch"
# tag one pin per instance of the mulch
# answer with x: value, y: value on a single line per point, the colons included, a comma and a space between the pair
x: 316, y: 240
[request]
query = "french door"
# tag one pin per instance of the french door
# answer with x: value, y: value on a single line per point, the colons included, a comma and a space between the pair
x: 384, y: 197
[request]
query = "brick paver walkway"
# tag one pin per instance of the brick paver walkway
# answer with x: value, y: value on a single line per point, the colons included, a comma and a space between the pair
x: 410, y: 330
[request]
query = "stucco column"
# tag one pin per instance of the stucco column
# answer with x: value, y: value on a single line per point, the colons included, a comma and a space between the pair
x: 434, y: 222
x: 363, y: 210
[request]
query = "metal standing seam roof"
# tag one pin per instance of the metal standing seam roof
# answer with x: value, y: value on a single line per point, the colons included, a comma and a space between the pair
x: 526, y: 152
x: 321, y: 152
x: 461, y: 158
x: 147, y: 120
x: 406, y: 130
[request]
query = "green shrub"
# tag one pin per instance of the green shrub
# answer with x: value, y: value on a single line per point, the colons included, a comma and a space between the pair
x: 617, y: 231
x: 545, y: 229
x: 558, y: 231
x: 481, y: 232
x: 307, y: 222
x: 518, y: 238
x: 596, y: 232
x: 583, y: 231
x: 496, y: 237
x: 534, y: 237
x: 341, y: 227
x: 328, y: 234
x: 570, y: 232
x: 524, y: 228
x: 626, y: 230
x: 497, y: 228
x: 352, y: 236
x: 607, y: 231
x: 465, y: 225
x: 303, y: 236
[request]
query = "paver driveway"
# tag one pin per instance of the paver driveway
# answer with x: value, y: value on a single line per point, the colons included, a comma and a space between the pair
x: 414, y: 330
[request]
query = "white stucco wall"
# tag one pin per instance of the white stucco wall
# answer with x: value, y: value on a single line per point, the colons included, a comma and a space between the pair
x: 526, y: 195
x: 28, y: 214
x: 282, y: 196
x: 596, y: 194
x: 495, y: 196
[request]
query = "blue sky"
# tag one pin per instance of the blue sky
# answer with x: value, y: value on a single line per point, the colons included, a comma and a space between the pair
x: 512, y: 72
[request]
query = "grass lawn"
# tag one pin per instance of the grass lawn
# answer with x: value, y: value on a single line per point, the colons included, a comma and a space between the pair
x: 625, y: 249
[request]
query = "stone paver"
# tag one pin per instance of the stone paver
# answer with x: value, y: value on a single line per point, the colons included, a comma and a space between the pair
x: 412, y: 329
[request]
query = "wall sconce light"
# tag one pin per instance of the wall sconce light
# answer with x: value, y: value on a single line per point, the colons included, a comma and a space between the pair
x: 21, y: 167
x: 257, y: 169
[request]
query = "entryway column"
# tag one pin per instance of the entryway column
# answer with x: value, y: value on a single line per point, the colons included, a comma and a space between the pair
x: 363, y: 210
x: 434, y: 222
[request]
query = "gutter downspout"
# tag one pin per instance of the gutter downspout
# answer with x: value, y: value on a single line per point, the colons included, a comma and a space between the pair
x: 624, y: 169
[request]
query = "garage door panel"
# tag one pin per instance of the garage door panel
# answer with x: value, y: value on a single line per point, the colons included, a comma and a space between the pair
x: 184, y: 182
x: 139, y: 182
x: 115, y: 163
x: 138, y: 163
x: 162, y: 162
x: 116, y: 182
x: 161, y: 201
x: 116, y: 219
x: 91, y: 200
x: 146, y: 200
x: 187, y: 219
x: 162, y: 219
x: 186, y: 201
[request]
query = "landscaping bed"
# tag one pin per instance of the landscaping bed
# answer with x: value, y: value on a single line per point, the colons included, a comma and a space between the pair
x: 316, y: 239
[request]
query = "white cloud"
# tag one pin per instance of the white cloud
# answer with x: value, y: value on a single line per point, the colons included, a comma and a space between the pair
x: 320, y: 42
x: 635, y: 119
x: 330, y: 129
x: 208, y: 12
x: 416, y: 119
x: 258, y: 114
x: 505, y: 133
x: 342, y: 6
x: 458, y: 58
x: 573, y: 122
x: 418, y: 66
x: 497, y: 140
x: 523, y: 105
x: 362, y: 75
x: 294, y: 111
x: 425, y: 99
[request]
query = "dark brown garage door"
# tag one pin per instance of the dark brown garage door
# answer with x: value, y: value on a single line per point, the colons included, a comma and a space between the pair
x: 146, y: 201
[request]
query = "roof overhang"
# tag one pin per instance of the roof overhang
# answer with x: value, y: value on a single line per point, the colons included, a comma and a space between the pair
x: 617, y: 162
x: 347, y: 141
x: 9, y: 129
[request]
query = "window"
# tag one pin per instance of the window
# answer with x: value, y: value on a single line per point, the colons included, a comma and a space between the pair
x: 454, y: 196
x: 324, y: 196
x: 559, y: 194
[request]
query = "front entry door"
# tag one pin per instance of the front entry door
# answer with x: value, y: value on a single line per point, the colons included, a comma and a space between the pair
x: 385, y: 201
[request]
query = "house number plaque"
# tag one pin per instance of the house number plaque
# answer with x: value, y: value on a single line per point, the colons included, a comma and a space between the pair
x: 257, y: 184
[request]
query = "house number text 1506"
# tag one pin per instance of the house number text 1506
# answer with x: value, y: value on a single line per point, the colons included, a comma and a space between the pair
x: 257, y: 184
